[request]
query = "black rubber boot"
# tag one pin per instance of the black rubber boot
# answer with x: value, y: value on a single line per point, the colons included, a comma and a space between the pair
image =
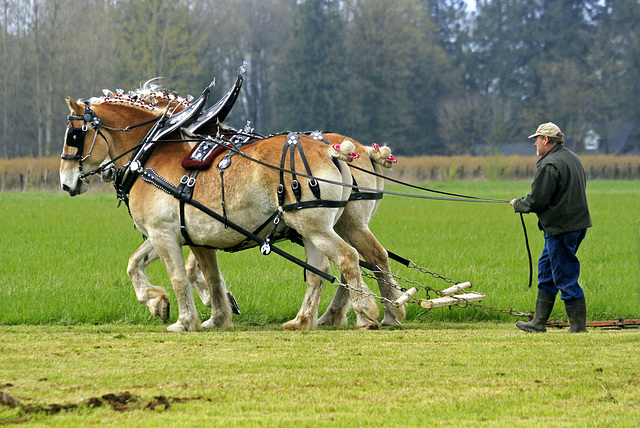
x: 544, y: 306
x: 577, y: 314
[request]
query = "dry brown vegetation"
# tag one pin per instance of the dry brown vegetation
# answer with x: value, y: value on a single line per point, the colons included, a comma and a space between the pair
x: 32, y: 174
x: 41, y: 174
x: 454, y: 168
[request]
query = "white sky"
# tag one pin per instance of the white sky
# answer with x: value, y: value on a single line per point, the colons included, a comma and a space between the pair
x: 471, y: 4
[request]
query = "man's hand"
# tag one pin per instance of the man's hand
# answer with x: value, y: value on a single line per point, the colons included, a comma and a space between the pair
x: 513, y: 201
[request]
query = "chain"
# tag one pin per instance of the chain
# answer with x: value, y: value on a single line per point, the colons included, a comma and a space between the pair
x: 433, y: 274
x: 510, y: 311
x: 364, y: 292
x: 111, y: 128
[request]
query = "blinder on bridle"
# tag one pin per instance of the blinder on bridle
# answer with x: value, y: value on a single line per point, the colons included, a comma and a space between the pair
x: 76, y: 136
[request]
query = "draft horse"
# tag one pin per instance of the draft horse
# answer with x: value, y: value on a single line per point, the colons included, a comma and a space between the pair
x: 251, y: 198
x: 352, y: 225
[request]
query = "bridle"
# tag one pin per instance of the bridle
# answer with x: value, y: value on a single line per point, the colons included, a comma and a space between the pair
x: 76, y: 138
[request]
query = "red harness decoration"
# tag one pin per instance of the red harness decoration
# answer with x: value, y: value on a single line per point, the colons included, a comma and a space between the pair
x: 391, y: 158
x: 352, y: 155
x: 202, y: 155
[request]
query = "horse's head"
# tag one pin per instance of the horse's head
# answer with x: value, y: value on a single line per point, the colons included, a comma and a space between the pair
x: 85, y: 148
x: 90, y: 143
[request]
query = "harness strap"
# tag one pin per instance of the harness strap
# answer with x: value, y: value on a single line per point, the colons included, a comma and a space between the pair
x: 292, y: 144
x: 281, y: 185
x: 185, y: 192
x: 222, y: 165
x: 318, y: 203
x: 361, y: 196
x: 313, y: 183
x: 183, y: 227
x: 149, y: 175
x: 126, y: 177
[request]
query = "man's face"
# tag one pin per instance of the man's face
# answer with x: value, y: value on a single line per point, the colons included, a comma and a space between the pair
x: 541, y: 145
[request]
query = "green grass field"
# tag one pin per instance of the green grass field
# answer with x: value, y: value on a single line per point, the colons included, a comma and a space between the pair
x: 64, y: 259
x: 427, y: 374
x: 72, y: 332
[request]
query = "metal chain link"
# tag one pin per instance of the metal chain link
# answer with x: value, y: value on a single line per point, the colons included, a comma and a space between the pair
x: 363, y: 292
x: 433, y: 274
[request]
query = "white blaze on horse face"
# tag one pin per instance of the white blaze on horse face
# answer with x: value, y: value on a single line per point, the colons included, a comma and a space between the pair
x: 70, y: 173
x: 70, y: 178
x: 95, y: 151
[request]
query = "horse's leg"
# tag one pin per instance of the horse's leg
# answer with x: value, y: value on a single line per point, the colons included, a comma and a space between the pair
x: 373, y: 252
x: 307, y: 317
x: 153, y: 297
x: 197, y: 279
x: 217, y: 289
x: 336, y: 313
x: 346, y: 259
x: 173, y: 259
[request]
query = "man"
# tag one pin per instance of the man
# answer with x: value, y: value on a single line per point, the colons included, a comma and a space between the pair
x: 559, y: 199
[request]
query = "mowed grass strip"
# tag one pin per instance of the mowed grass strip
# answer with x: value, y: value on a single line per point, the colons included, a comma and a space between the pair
x: 421, y: 375
x: 64, y: 259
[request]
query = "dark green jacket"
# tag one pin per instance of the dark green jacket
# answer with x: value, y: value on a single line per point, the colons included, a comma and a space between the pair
x: 558, y: 193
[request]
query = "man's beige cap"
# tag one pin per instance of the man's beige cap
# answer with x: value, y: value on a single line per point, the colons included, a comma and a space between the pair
x: 548, y: 130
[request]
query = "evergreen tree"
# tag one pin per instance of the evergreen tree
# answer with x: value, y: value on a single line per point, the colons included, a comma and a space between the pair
x: 615, y: 63
x: 312, y: 83
x: 400, y: 74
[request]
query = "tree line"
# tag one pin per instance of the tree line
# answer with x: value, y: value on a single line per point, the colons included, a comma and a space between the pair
x: 424, y: 76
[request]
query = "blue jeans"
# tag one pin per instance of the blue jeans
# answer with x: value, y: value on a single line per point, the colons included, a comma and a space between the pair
x: 558, y: 267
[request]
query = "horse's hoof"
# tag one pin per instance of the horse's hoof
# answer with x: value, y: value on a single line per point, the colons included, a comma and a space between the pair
x: 390, y: 322
x: 372, y: 326
x: 163, y: 309
x: 324, y: 321
x: 212, y: 323
x: 332, y: 321
x: 290, y: 326
x: 301, y: 323
x: 176, y: 328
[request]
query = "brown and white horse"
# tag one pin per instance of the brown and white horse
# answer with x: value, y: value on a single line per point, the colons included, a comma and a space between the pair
x: 251, y: 199
x: 352, y: 226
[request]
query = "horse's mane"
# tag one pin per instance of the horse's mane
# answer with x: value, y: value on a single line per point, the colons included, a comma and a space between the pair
x: 150, y: 96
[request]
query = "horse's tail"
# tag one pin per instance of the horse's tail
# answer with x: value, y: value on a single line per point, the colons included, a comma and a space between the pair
x: 381, y: 155
x: 344, y: 151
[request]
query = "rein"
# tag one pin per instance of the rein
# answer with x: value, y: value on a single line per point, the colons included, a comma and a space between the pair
x: 457, y: 195
x: 456, y: 198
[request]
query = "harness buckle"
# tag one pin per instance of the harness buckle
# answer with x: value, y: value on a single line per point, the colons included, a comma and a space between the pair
x: 191, y: 182
x: 265, y: 249
x: 184, y: 179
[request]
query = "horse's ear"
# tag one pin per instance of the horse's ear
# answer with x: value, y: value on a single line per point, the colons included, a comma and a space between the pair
x: 75, y: 107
